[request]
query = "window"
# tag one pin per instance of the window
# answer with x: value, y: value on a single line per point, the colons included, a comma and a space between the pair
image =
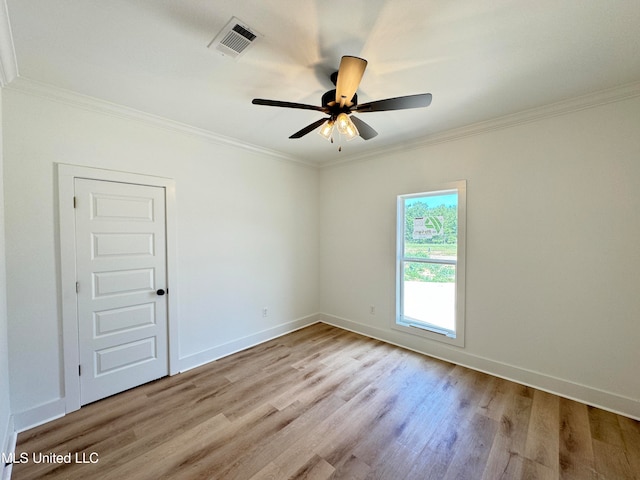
x: 430, y: 263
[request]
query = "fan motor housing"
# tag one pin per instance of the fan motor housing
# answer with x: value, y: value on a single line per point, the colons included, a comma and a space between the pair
x: 330, y: 98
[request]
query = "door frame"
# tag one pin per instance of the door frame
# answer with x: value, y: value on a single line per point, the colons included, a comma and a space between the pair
x: 66, y: 222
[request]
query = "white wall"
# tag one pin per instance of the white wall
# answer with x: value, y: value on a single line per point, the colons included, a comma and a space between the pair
x: 247, y: 236
x: 551, y: 260
x: 552, y: 249
x: 5, y: 410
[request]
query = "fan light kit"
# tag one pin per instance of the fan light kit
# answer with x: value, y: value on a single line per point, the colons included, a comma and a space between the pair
x: 346, y: 127
x: 327, y: 129
x: 341, y: 103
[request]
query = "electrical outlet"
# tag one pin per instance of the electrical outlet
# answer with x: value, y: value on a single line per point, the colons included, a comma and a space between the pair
x: 372, y: 309
x: 265, y: 312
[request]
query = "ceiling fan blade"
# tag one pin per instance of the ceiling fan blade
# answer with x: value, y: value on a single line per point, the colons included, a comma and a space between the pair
x: 278, y: 103
x: 398, y: 103
x: 365, y: 130
x: 349, y: 76
x: 308, y: 128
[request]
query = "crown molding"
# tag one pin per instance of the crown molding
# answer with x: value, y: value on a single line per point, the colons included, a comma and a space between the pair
x: 8, y: 63
x: 563, y: 107
x: 49, y: 92
x: 68, y: 97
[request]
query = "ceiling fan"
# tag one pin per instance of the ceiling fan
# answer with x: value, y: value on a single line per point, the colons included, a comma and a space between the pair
x: 342, y: 102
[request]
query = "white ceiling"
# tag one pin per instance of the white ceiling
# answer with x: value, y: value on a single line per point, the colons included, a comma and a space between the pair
x: 480, y: 60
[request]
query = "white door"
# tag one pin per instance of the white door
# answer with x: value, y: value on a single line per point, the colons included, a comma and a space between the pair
x: 121, y: 275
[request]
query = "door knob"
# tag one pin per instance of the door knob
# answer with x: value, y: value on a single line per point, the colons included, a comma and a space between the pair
x: 160, y: 292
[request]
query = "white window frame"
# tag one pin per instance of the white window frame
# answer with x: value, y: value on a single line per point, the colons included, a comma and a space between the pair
x: 406, y: 325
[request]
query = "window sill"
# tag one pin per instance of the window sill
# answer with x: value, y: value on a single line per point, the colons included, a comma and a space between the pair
x: 425, y: 332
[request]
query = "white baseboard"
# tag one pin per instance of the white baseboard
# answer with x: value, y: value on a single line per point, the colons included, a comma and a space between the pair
x: 209, y: 355
x: 5, y: 473
x: 8, y: 445
x: 612, y: 402
x: 38, y: 415
x: 57, y: 408
x: 7, y: 435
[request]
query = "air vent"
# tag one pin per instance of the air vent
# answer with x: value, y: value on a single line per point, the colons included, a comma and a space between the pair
x: 234, y: 39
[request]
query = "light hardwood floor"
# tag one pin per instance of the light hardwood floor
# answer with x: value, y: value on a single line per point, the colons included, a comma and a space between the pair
x: 325, y: 403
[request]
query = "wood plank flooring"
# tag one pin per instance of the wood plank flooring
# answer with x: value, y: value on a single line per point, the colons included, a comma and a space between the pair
x: 325, y: 403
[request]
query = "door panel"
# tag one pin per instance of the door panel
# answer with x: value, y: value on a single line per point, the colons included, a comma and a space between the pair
x: 122, y: 282
x: 122, y: 319
x: 125, y: 355
x: 122, y: 244
x: 120, y: 263
x: 111, y: 206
